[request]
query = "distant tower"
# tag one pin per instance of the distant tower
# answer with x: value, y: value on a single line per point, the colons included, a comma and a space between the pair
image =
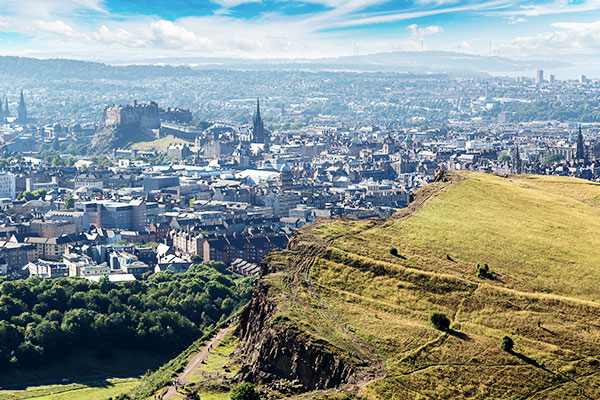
x: 22, y: 110
x: 539, y: 76
x: 258, y: 130
x: 517, y: 160
x: 1, y: 112
x: 6, y: 110
x: 580, y: 153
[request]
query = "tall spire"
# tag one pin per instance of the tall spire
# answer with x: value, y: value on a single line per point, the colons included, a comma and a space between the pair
x: 580, y: 153
x: 22, y: 110
x: 258, y: 128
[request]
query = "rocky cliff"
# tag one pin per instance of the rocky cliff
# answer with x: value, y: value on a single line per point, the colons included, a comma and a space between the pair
x: 112, y: 137
x: 275, y: 350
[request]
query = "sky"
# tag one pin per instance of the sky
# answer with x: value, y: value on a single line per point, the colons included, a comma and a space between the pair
x: 128, y: 30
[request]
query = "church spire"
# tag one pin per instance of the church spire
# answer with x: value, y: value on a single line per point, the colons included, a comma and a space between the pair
x: 580, y: 152
x: 258, y: 128
x: 22, y: 110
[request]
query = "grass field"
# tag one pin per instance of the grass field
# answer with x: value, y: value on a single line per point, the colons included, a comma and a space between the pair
x: 99, y: 390
x: 539, y: 236
x: 161, y: 144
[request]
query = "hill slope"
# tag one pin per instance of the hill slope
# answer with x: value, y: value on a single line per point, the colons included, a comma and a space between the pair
x: 338, y: 312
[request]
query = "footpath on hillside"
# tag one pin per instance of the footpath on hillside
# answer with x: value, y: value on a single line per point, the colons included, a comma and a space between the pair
x: 193, y: 364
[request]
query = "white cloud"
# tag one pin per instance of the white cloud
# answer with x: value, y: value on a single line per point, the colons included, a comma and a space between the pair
x: 58, y: 28
x: 515, y: 20
x: 119, y: 36
x: 572, y: 37
x: 166, y: 34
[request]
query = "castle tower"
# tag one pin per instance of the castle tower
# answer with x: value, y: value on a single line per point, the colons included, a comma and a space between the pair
x: 22, y: 110
x: 258, y: 128
x: 580, y: 155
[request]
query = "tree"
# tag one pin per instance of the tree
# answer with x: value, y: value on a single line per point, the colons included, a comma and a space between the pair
x: 507, y: 344
x: 244, y: 391
x: 439, y: 321
x: 483, y: 271
x: 394, y: 251
x: 69, y: 202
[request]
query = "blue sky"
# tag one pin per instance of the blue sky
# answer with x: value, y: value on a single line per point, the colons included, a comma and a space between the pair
x: 110, y: 30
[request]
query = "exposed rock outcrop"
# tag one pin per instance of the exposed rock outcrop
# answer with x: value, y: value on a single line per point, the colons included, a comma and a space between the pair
x: 275, y: 350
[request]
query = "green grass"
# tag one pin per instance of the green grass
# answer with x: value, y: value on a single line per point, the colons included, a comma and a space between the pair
x: 84, y: 365
x: 161, y: 144
x: 540, y: 237
x: 219, y: 361
x: 213, y: 395
x: 73, y: 391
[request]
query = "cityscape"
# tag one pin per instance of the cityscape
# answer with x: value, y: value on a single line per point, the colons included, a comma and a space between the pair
x: 196, y: 204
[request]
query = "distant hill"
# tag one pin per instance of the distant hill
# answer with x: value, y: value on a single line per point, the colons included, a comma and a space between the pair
x: 53, y: 69
x: 347, y: 307
x: 407, y: 62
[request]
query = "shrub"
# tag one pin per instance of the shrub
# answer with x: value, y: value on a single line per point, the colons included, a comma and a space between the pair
x: 507, y: 344
x: 244, y: 391
x: 394, y: 251
x: 483, y: 271
x: 439, y: 321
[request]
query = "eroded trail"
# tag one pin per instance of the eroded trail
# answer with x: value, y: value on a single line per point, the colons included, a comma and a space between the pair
x: 193, y: 363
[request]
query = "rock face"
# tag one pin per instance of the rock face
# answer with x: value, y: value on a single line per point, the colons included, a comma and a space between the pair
x: 277, y: 351
x: 124, y: 125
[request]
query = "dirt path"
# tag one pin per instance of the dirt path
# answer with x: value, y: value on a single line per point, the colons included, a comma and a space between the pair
x: 194, y: 362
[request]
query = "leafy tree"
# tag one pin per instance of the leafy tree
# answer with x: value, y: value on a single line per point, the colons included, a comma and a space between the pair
x: 69, y: 202
x: 244, y: 391
x: 40, y: 319
x: 507, y: 344
x: 394, y: 251
x: 439, y: 321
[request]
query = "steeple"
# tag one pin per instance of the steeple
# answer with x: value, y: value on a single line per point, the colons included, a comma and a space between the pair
x: 517, y: 160
x: 258, y: 128
x: 22, y: 110
x: 580, y: 153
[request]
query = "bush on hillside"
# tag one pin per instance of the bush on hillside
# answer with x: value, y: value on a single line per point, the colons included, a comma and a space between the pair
x: 244, y: 391
x: 507, y: 344
x: 483, y: 271
x: 439, y: 321
x: 394, y: 251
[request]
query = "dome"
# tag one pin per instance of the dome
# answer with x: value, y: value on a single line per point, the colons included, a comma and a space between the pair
x: 285, y: 168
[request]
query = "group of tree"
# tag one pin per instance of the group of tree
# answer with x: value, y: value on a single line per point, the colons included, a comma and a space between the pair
x: 47, y: 319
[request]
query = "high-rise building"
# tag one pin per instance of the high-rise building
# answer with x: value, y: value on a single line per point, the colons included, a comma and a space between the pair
x: 539, y: 76
x: 1, y: 111
x: 258, y: 128
x: 7, y: 186
x: 6, y: 110
x: 551, y: 78
x: 582, y: 79
x: 22, y: 110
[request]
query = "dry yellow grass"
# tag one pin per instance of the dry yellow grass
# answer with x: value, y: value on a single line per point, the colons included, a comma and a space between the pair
x: 539, y: 237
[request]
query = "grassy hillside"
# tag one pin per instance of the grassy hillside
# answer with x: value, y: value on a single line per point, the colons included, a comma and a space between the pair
x: 161, y: 144
x: 341, y: 287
